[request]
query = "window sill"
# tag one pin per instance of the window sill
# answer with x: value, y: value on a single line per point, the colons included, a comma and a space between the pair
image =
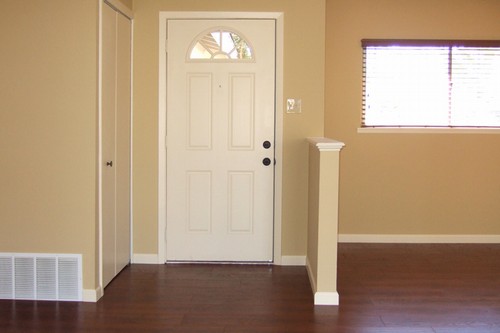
x: 426, y: 130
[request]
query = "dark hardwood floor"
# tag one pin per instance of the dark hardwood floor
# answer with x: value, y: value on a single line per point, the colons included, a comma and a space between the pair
x: 383, y: 288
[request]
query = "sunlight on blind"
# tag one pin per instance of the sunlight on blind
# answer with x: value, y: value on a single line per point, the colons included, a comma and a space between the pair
x: 406, y: 86
x: 476, y: 87
x: 435, y: 86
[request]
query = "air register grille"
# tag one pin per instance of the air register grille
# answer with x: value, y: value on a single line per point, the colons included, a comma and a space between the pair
x: 56, y: 277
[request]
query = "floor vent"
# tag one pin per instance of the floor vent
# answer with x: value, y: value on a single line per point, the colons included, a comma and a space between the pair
x: 54, y: 277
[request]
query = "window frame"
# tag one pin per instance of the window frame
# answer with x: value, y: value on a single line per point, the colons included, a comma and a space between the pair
x: 421, y: 43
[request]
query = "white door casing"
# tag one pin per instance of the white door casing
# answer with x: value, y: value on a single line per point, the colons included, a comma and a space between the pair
x: 239, y: 179
x: 219, y: 114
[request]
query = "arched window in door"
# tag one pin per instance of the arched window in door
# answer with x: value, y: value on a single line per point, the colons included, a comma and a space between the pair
x: 221, y: 44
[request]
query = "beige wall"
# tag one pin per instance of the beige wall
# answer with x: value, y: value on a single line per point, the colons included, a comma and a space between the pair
x: 312, y: 255
x: 48, y: 117
x: 322, y: 232
x: 127, y: 3
x: 390, y: 183
x: 328, y: 221
x: 408, y: 183
x: 304, y: 44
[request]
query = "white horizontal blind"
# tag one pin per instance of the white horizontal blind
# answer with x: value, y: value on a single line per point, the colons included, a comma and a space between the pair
x: 431, y: 83
x: 475, y: 99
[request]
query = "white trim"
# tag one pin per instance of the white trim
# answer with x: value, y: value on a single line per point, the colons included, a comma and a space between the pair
x: 321, y: 297
x: 131, y: 205
x: 427, y: 130
x: 293, y: 260
x: 99, y: 148
x: 325, y: 144
x: 326, y: 298
x: 141, y: 258
x: 162, y: 88
x: 278, y: 151
x: 120, y: 7
x: 219, y: 15
x: 310, y: 274
x: 428, y: 239
x: 162, y: 140
x: 92, y: 295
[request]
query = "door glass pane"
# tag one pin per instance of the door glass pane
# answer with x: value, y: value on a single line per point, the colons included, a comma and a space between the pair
x: 221, y: 44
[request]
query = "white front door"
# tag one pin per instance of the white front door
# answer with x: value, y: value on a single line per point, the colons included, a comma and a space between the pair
x: 220, y: 140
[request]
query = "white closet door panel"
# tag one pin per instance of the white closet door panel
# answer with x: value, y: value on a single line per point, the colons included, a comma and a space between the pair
x: 108, y: 142
x: 116, y: 145
x: 123, y: 145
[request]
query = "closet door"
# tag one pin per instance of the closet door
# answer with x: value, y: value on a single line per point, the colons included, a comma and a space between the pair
x: 123, y: 143
x: 116, y: 148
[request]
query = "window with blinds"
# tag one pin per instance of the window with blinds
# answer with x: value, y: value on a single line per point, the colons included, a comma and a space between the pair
x: 431, y: 83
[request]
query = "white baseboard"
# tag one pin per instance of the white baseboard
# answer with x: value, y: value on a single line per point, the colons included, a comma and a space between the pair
x: 293, y: 260
x: 428, y: 239
x: 92, y: 295
x: 139, y: 258
x: 321, y: 297
x: 326, y: 298
x: 310, y: 274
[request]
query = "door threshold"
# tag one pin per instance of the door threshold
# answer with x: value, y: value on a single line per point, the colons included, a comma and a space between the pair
x: 195, y: 262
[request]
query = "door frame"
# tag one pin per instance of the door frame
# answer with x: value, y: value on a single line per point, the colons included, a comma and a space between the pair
x: 162, y: 117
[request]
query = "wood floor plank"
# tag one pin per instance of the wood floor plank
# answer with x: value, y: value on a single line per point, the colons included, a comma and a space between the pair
x: 384, y: 288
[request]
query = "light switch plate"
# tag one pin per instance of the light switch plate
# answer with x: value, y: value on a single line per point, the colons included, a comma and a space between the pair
x: 293, y: 105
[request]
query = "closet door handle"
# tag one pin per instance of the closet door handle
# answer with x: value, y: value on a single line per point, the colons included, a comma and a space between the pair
x: 109, y: 163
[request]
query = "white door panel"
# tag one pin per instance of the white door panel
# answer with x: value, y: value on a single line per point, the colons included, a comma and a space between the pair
x: 123, y: 144
x: 219, y: 193
x: 108, y: 142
